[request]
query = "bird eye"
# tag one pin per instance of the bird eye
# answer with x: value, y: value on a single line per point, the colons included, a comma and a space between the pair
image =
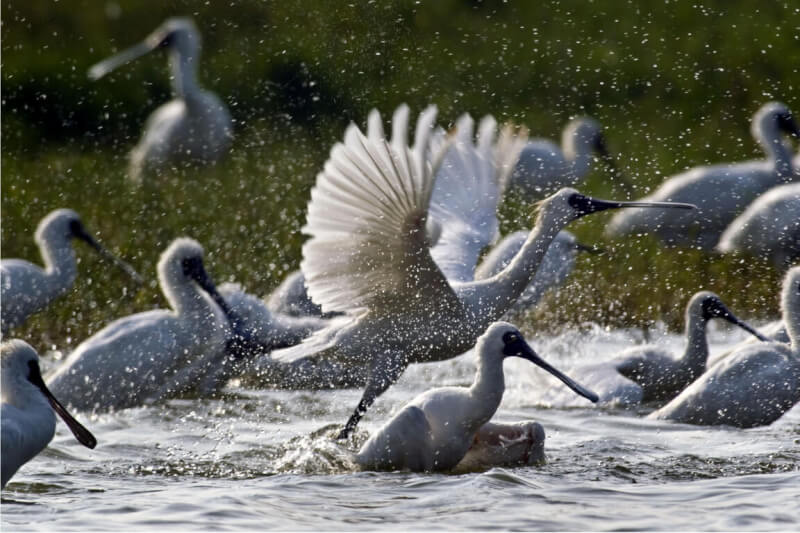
x: 510, y: 338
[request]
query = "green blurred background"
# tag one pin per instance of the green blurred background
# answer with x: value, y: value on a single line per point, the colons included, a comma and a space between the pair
x: 674, y: 83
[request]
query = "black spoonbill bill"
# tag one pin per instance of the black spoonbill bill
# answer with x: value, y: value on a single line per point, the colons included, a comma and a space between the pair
x: 28, y: 409
x: 28, y: 288
x: 369, y: 257
x: 436, y: 430
x: 754, y: 385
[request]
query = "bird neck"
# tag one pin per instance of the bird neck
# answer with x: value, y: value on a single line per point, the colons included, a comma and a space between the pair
x: 490, y: 298
x: 578, y: 153
x: 184, y: 73
x: 696, y: 355
x: 791, y: 318
x: 185, y: 296
x: 487, y: 389
x: 771, y: 140
x: 60, y: 265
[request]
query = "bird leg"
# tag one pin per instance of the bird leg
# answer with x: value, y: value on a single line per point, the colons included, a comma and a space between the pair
x: 385, y: 372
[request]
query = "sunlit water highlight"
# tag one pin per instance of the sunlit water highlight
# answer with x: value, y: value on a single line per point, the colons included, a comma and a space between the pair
x: 263, y: 459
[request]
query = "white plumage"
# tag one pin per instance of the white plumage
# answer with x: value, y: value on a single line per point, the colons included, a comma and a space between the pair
x: 557, y: 264
x: 435, y: 430
x: 543, y: 167
x: 157, y: 354
x: 28, y: 288
x: 28, y: 409
x: 195, y: 127
x: 769, y: 227
x: 651, y: 373
x: 754, y: 385
x: 369, y: 257
x: 721, y: 191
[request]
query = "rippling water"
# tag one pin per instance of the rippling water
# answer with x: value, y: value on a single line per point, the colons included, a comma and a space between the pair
x: 263, y: 459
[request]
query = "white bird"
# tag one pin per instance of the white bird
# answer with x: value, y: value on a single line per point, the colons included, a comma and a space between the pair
x: 435, y: 430
x: 463, y: 205
x: 721, y: 191
x: 557, y: 264
x: 753, y: 386
x: 27, y: 416
x: 651, y: 373
x: 769, y: 227
x: 157, y: 354
x: 291, y: 298
x: 369, y: 256
x: 27, y: 288
x: 544, y: 167
x: 195, y: 126
x: 266, y: 329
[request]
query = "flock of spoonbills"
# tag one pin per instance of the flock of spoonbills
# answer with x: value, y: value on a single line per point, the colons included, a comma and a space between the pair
x: 394, y: 273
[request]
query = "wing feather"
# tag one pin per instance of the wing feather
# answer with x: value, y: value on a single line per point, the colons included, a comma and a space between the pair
x: 367, y: 221
x: 465, y: 198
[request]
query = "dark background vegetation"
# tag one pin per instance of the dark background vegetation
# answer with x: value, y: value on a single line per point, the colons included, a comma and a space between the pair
x: 674, y: 83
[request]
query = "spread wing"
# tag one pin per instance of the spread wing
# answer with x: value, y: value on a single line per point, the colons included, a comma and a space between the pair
x: 507, y: 150
x: 465, y: 198
x: 367, y: 218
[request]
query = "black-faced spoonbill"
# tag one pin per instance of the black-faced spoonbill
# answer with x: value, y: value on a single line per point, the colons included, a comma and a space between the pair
x: 652, y: 373
x: 769, y: 227
x: 28, y: 409
x: 28, y: 288
x: 754, y: 385
x: 267, y: 330
x: 369, y: 256
x: 157, y: 354
x: 544, y: 167
x: 435, y: 430
x: 721, y: 192
x: 195, y: 126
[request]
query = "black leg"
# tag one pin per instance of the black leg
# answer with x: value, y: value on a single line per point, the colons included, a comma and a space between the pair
x: 382, y: 375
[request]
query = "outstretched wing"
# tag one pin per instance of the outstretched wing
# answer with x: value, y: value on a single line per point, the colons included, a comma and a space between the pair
x: 464, y: 200
x: 507, y: 150
x: 467, y: 192
x: 369, y: 247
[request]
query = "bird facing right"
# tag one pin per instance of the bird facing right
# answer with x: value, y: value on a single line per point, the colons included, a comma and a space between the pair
x: 435, y: 430
x: 27, y: 417
x: 753, y: 386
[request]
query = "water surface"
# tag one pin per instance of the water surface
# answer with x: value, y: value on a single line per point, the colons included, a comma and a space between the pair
x: 262, y: 459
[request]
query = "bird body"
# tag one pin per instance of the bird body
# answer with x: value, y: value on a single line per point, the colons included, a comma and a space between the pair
x: 156, y: 354
x: 291, y: 298
x: 721, y: 191
x: 369, y: 257
x: 754, y: 385
x: 28, y: 418
x: 196, y: 126
x: 267, y: 329
x: 435, y: 430
x: 28, y: 288
x: 769, y: 227
x: 651, y: 373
